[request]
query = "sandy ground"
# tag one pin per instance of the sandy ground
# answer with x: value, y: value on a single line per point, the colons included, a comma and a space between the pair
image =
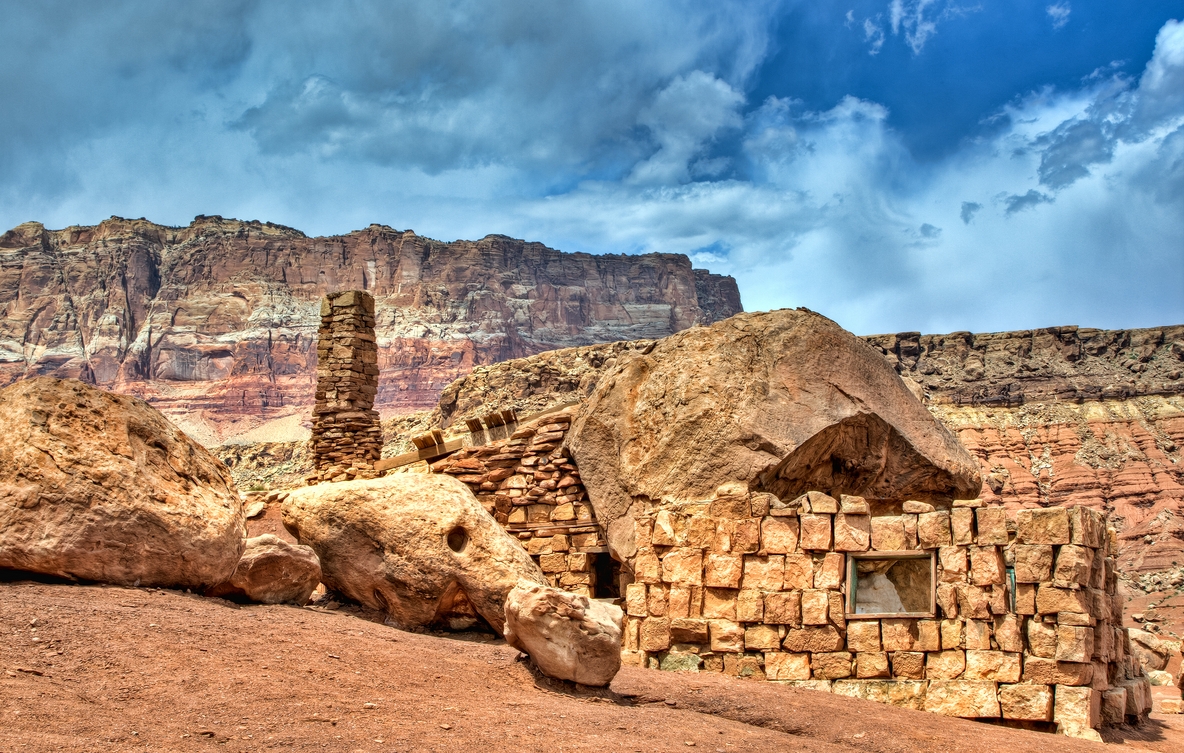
x: 92, y: 668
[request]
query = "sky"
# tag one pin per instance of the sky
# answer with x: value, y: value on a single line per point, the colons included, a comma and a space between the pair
x: 896, y: 165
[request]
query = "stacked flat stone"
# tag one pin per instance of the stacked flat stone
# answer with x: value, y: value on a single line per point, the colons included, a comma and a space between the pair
x: 750, y: 586
x: 346, y: 434
x: 531, y: 486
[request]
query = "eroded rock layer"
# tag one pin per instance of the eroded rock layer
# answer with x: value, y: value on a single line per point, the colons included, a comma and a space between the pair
x: 216, y: 321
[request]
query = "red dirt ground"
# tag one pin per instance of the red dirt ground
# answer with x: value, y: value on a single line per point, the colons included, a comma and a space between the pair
x: 92, y: 668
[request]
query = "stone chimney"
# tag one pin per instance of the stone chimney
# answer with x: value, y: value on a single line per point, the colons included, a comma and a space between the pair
x: 346, y: 434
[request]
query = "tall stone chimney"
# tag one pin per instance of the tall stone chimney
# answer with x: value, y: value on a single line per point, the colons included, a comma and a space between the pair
x: 346, y: 434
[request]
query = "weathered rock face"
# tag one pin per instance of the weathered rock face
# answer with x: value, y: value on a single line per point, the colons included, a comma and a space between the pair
x: 782, y: 402
x: 273, y: 571
x: 570, y: 637
x: 216, y: 321
x: 101, y: 487
x: 416, y: 546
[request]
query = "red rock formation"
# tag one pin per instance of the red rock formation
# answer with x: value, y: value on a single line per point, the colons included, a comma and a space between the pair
x: 216, y: 321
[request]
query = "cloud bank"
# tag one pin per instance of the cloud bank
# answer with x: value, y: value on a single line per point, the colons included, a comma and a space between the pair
x: 607, y: 127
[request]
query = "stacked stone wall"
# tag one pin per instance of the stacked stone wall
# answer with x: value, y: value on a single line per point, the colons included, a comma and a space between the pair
x: 346, y: 433
x: 747, y: 585
x: 530, y: 484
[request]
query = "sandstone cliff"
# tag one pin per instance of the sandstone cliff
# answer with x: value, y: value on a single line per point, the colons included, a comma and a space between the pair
x: 214, y: 323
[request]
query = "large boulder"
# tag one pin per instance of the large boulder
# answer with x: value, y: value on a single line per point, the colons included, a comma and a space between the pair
x: 569, y: 636
x: 783, y: 402
x: 101, y: 487
x: 273, y: 571
x: 412, y: 545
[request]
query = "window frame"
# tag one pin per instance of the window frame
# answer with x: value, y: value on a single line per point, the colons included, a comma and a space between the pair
x: 852, y: 584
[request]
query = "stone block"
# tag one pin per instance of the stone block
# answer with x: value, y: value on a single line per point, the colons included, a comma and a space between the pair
x: 869, y: 665
x: 906, y: 694
x: 838, y: 604
x: 974, y: 602
x: 1042, y: 526
x: 1009, y: 634
x: 947, y: 599
x: 1076, y: 707
x: 815, y: 532
x: 852, y: 505
x: 1025, y: 598
x: 688, y: 630
x: 962, y: 525
x: 655, y: 634
x: 817, y: 502
x: 977, y: 635
x: 719, y: 603
x: 991, y: 523
x: 898, y: 634
x: 1044, y: 671
x: 1073, y: 565
x: 908, y: 665
x: 799, y: 571
x: 1031, y: 703
x: 1033, y: 563
x: 783, y: 608
x: 656, y: 600
x: 933, y: 529
x: 952, y: 564
x: 647, y: 568
x: 887, y: 534
x: 779, y: 535
x: 678, y: 602
x: 831, y: 665
x: 952, y: 634
x: 915, y: 507
x: 553, y: 563
x: 700, y: 532
x: 863, y: 636
x: 783, y: 666
x: 734, y: 504
x: 678, y: 661
x: 986, y: 565
x: 963, y: 698
x: 764, y: 573
x: 928, y: 637
x: 1051, y: 600
x: 1087, y: 527
x: 726, y: 636
x: 945, y: 665
x: 818, y: 639
x: 820, y: 686
x: 761, y: 638
x: 722, y: 570
x: 683, y: 566
x: 815, y: 607
x: 750, y: 605
x: 992, y: 665
x: 744, y: 665
x: 1113, y: 706
x: 829, y: 570
x: 852, y: 533
x: 635, y: 600
x: 1074, y: 644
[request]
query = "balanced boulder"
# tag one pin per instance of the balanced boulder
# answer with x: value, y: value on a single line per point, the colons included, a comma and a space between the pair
x: 101, y: 487
x: 412, y: 545
x: 569, y: 636
x: 273, y: 571
x: 782, y: 402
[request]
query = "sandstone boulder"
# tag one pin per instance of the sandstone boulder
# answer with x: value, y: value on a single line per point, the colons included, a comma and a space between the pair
x: 416, y: 546
x: 273, y: 571
x: 101, y: 487
x: 783, y: 402
x: 569, y: 637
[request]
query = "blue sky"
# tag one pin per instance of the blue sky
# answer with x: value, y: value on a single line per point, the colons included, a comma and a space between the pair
x: 894, y: 164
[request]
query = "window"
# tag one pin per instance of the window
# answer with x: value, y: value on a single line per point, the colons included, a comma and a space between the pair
x: 891, y: 584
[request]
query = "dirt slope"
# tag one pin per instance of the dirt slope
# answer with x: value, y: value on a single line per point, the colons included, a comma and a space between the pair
x: 114, y: 669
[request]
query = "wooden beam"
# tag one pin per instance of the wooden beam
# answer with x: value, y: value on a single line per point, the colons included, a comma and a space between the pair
x: 429, y: 453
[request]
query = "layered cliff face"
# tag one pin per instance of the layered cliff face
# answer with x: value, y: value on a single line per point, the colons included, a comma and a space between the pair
x: 1068, y: 415
x: 214, y: 323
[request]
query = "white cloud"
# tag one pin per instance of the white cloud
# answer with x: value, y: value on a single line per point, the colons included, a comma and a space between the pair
x: 1059, y: 14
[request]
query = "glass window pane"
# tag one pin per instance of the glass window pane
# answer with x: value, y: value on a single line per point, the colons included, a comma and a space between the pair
x: 893, y: 586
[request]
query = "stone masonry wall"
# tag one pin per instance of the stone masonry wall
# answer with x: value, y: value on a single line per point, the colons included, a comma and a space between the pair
x: 749, y: 586
x: 530, y: 485
x: 346, y: 434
